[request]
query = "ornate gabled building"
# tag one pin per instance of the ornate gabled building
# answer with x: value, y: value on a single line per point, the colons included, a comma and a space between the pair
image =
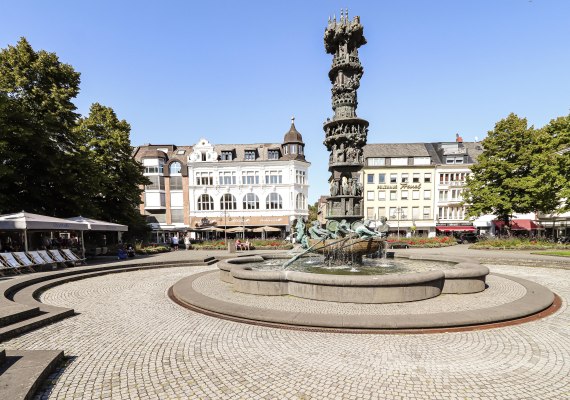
x: 224, y: 185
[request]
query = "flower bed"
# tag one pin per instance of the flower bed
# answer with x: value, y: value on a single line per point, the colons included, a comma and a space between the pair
x: 152, y: 249
x: 254, y: 245
x: 518, y: 244
x: 421, y: 242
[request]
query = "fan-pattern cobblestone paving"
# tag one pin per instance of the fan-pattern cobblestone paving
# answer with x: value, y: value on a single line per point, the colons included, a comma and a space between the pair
x: 130, y: 341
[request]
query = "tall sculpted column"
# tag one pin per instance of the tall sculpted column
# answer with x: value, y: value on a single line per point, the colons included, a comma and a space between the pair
x: 345, y: 133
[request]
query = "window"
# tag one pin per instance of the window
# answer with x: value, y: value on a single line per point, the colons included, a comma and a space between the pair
x: 250, y: 178
x: 180, y: 152
x: 370, y: 178
x: 175, y: 183
x: 157, y: 182
x: 454, y: 160
x: 393, y: 214
x: 273, y: 154
x: 228, y: 202
x: 381, y: 179
x: 404, y: 178
x: 427, y: 212
x: 227, y: 155
x: 382, y: 195
x: 301, y: 201
x: 175, y: 168
x: 273, y: 177
x: 415, y: 213
x: 250, y: 202
x: 442, y: 195
x: 177, y: 216
x: 227, y: 178
x: 416, y: 178
x: 250, y: 155
x: 404, y: 195
x: 381, y: 212
x: 376, y: 161
x: 205, y: 202
x: 370, y: 212
x: 415, y: 194
x: 293, y: 148
x: 273, y: 201
x: 370, y: 195
x: 300, y: 177
x: 154, y: 169
x: 427, y: 194
x: 393, y: 195
x: 422, y: 160
x: 427, y: 177
x: 404, y: 213
x: 393, y: 178
x: 204, y: 179
x: 399, y: 161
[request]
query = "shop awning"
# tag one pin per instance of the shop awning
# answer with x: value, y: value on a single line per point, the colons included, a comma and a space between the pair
x: 520, y: 225
x: 455, y: 228
x: 24, y: 220
x: 97, y: 225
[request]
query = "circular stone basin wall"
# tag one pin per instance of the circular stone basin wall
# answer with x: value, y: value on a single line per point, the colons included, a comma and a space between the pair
x: 466, y: 277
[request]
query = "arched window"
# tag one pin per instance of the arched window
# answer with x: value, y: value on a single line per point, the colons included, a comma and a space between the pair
x: 274, y: 202
x: 228, y: 202
x: 301, y: 203
x: 250, y: 202
x: 175, y: 168
x: 205, y: 202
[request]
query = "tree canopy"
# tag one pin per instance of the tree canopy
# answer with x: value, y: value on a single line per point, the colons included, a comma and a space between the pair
x: 519, y: 171
x: 55, y: 162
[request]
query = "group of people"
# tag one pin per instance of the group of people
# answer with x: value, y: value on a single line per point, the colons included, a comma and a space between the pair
x: 175, y: 242
x: 243, y: 245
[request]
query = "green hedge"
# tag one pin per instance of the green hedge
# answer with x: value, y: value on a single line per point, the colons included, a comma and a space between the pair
x: 423, y: 242
x: 518, y: 244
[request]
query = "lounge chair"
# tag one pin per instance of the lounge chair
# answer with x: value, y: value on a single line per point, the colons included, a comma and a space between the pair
x: 70, y: 255
x: 38, y: 259
x: 49, y: 259
x: 56, y: 255
x: 10, y: 261
x: 23, y: 258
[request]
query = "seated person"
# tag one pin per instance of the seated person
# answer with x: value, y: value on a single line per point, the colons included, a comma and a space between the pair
x: 246, y: 245
x: 239, y: 245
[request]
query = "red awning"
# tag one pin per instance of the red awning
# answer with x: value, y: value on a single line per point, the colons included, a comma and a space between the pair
x: 519, y: 225
x: 457, y: 228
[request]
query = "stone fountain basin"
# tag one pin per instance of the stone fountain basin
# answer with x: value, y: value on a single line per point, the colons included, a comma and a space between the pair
x: 466, y: 277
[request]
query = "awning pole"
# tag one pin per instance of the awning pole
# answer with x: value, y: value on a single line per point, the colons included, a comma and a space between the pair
x: 25, y: 240
x: 82, y: 246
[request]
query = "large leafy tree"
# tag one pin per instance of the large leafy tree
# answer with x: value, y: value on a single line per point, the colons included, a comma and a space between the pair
x: 42, y: 165
x: 557, y: 133
x: 118, y: 176
x: 516, y: 173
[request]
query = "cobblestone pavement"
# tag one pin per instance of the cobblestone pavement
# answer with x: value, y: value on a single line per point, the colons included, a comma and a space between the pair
x: 131, y: 341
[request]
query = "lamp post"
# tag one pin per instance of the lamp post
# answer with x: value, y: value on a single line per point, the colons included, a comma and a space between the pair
x: 398, y: 214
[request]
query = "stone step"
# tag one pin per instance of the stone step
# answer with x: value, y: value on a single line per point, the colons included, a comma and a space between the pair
x: 2, y: 357
x: 12, y: 313
x: 36, y: 322
x: 22, y: 372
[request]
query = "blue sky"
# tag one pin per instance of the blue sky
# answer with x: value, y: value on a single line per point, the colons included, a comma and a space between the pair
x: 235, y: 72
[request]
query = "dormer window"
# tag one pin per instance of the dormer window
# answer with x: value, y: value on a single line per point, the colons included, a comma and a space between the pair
x: 250, y: 155
x: 273, y: 154
x: 293, y: 148
x: 227, y: 155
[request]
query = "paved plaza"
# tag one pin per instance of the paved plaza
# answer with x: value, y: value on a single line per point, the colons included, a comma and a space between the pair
x: 129, y: 340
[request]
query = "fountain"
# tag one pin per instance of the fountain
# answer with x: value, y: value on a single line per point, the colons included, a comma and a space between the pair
x: 344, y: 265
x: 339, y: 274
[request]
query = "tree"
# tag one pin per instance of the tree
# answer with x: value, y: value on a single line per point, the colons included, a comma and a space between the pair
x: 107, y: 143
x: 516, y: 173
x: 558, y: 135
x: 313, y: 212
x: 41, y: 161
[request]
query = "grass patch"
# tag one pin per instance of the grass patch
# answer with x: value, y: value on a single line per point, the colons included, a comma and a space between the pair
x: 560, y: 253
x: 519, y: 244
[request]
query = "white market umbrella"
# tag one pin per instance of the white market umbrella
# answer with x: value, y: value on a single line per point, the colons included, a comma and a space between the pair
x: 27, y: 221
